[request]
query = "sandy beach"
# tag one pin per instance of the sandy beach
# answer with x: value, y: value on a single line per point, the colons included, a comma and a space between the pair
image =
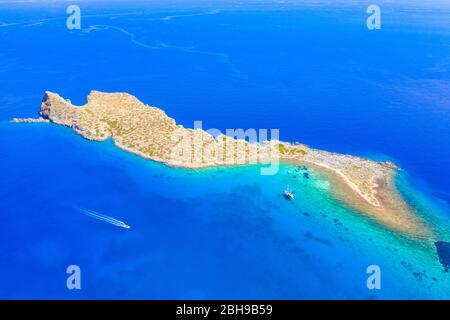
x: 391, y: 212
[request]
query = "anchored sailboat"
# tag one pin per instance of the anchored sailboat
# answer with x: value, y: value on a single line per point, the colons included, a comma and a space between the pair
x: 288, y: 194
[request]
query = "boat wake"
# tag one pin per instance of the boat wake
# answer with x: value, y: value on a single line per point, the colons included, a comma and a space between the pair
x: 104, y: 218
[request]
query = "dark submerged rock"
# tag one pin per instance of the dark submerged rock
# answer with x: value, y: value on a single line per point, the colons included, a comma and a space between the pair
x: 443, y: 251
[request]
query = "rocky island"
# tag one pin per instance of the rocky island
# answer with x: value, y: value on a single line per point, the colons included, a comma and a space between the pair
x: 147, y: 131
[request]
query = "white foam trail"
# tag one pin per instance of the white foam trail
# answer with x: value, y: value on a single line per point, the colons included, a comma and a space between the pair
x: 222, y: 57
x: 105, y: 218
x: 130, y: 35
x: 168, y: 18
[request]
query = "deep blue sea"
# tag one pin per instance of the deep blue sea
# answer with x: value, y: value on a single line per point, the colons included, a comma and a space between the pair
x: 312, y: 70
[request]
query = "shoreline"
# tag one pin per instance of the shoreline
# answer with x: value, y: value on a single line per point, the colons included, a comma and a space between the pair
x: 393, y: 212
x: 147, y: 132
x: 350, y: 184
x: 343, y: 190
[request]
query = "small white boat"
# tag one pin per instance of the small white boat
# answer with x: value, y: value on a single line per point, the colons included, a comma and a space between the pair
x: 289, y: 195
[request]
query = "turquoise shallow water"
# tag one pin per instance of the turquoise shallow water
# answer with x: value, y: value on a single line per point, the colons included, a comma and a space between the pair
x: 213, y: 233
x: 222, y: 232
